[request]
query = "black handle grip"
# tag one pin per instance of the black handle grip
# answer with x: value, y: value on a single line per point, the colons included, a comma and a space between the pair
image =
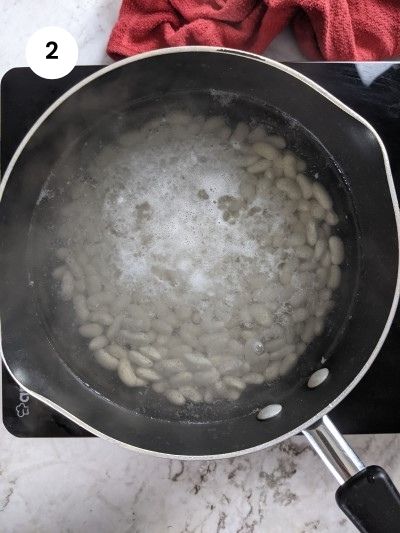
x: 371, y: 501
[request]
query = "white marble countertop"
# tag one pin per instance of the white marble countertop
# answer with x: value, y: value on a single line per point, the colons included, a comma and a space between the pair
x: 74, y: 485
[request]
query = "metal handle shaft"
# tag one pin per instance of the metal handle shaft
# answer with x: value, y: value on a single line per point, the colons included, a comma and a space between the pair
x: 333, y: 449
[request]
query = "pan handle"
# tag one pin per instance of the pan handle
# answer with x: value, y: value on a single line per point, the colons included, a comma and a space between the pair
x: 366, y: 495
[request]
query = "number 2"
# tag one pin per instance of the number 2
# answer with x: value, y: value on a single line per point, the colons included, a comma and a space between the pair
x: 51, y: 55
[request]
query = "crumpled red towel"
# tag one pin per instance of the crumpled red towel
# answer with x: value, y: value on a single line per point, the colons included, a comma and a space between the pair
x: 325, y: 29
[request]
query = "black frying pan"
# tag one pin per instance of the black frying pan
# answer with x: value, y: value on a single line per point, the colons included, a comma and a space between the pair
x: 43, y: 355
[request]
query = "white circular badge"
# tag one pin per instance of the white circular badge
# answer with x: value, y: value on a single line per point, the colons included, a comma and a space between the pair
x: 51, y: 52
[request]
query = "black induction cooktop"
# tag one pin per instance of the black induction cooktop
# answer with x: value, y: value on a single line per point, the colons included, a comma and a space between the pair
x: 374, y: 405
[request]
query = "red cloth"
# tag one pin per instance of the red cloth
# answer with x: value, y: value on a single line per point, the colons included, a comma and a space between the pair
x: 325, y: 29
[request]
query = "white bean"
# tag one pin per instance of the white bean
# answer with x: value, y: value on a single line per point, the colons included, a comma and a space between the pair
x: 67, y: 286
x: 274, y: 345
x: 305, y: 186
x: 58, y: 272
x: 98, y: 342
x: 180, y: 350
x: 234, y: 347
x: 137, y: 312
x: 306, y: 266
x: 289, y: 167
x: 297, y: 299
x: 304, y: 207
x: 289, y: 187
x: 219, y: 389
x: 226, y: 365
x: 159, y: 386
x: 196, y: 362
x: 127, y: 375
x: 214, y: 342
x: 312, y: 234
x: 307, y: 334
x: 80, y: 307
x: 322, y: 274
x: 106, y: 360
x: 102, y: 317
x: 148, y: 374
x: 326, y: 259
x: 318, y: 377
x: 96, y: 300
x: 300, y: 348
x: 113, y: 330
x: 170, y: 366
x: 191, y: 393
x: 277, y: 141
x: 253, y: 378
x: 74, y: 267
x: 90, y: 331
x: 337, y: 250
x: 117, y: 351
x: 322, y: 308
x: 283, y: 352
x: 272, y: 371
x: 300, y: 315
x: 136, y: 339
x: 175, y: 397
x: 319, y: 249
x: 265, y: 150
x: 331, y: 218
x: 213, y: 124
x: 233, y: 383
x: 335, y: 276
x: 151, y: 352
x: 246, y: 160
x: 304, y: 252
x: 206, y: 377
x: 285, y: 274
x: 261, y: 314
x: 160, y: 326
x: 139, y: 359
x: 305, y: 217
x: 318, y: 326
x: 296, y: 239
x: 287, y: 364
x: 162, y: 340
x: 257, y: 135
x: 120, y: 304
x: 301, y: 165
x: 317, y: 211
x: 325, y: 295
x: 277, y: 166
x: 93, y: 285
x: 240, y: 132
x: 80, y: 285
x: 259, y: 166
x: 136, y: 324
x: 232, y: 394
x: 182, y: 378
x: 322, y: 196
x: 269, y: 411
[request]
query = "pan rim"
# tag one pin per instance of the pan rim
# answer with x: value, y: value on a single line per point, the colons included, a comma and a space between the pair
x: 327, y: 95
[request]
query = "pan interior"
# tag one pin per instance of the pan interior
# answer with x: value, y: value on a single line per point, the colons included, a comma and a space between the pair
x: 57, y: 317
